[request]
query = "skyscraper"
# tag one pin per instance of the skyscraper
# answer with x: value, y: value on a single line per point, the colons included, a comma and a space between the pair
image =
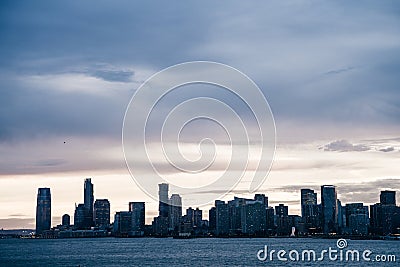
x: 138, y: 217
x: 357, y: 218
x: 222, y: 218
x: 175, y: 211
x: 309, y: 208
x: 80, y: 217
x: 198, y: 217
x: 388, y: 197
x: 101, y: 213
x: 163, y: 207
x: 88, y: 202
x: 329, y: 209
x: 43, y: 210
x: 282, y: 219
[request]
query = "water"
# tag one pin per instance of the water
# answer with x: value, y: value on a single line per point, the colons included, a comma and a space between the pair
x: 176, y: 252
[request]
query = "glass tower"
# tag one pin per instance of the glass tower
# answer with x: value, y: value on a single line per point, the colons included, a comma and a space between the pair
x: 43, y: 210
x: 329, y: 208
x: 88, y: 202
x: 163, y: 207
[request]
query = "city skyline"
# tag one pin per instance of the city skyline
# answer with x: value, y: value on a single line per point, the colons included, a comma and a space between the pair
x: 170, y: 206
x: 238, y: 217
x: 328, y: 70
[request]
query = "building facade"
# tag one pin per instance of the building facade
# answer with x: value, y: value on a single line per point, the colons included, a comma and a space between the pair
x: 43, y: 210
x: 329, y: 209
x: 101, y: 213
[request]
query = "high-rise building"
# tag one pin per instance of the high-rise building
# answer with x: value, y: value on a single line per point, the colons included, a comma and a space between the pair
x: 385, y: 216
x: 80, y: 217
x: 138, y: 217
x: 123, y: 223
x: 198, y: 217
x: 43, y: 210
x: 175, y: 211
x: 66, y: 220
x: 262, y: 198
x: 222, y: 218
x: 88, y: 202
x: 189, y: 217
x: 357, y: 219
x: 253, y: 217
x: 329, y: 209
x: 101, y: 213
x: 282, y: 219
x: 212, y: 217
x: 270, y: 220
x: 388, y: 197
x: 163, y: 207
x: 160, y: 226
x: 309, y: 208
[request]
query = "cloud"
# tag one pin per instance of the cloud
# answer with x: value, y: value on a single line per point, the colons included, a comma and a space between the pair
x: 17, y: 223
x: 50, y: 162
x: 387, y: 149
x: 338, y: 71
x: 344, y: 146
x: 113, y: 75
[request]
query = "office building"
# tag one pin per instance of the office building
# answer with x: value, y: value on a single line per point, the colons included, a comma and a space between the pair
x: 282, y: 220
x: 309, y: 209
x: 80, y: 217
x: 212, y: 217
x: 122, y: 223
x: 253, y: 217
x: 357, y: 219
x: 222, y: 218
x: 163, y: 207
x: 66, y: 220
x: 175, y: 211
x: 43, y: 210
x: 138, y: 217
x: 88, y: 202
x: 101, y: 213
x: 329, y: 209
x: 388, y: 197
x: 198, y: 217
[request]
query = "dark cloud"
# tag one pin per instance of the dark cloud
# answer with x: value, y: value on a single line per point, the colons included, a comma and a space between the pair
x: 387, y: 149
x: 113, y: 76
x: 287, y: 48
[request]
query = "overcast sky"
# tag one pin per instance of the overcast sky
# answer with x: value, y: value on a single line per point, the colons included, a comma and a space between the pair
x: 330, y: 71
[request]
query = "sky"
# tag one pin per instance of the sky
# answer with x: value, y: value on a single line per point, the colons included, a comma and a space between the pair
x: 329, y: 70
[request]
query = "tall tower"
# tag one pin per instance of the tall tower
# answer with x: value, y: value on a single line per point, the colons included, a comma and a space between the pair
x: 309, y: 207
x: 88, y: 202
x: 101, y: 214
x: 138, y: 216
x: 43, y: 210
x: 329, y: 208
x: 175, y: 211
x: 163, y: 207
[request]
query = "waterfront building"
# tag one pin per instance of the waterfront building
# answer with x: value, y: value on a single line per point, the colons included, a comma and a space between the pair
x: 138, y: 217
x: 329, y: 209
x: 66, y: 220
x: 163, y: 207
x: 101, y: 213
x: 43, y: 210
